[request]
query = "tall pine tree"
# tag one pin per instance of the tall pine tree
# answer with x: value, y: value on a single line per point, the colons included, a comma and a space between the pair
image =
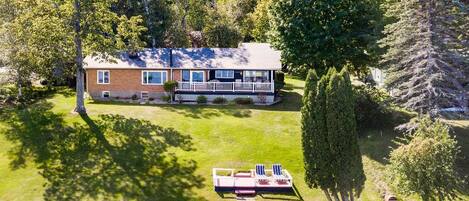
x: 427, y: 54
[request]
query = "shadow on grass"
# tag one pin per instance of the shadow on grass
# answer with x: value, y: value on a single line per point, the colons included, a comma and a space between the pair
x: 291, y: 101
x: 378, y: 144
x: 193, y: 111
x: 209, y: 111
x: 110, y: 158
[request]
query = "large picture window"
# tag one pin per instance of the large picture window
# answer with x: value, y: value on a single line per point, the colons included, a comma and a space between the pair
x: 224, y: 74
x: 153, y: 77
x: 256, y: 76
x: 197, y: 76
x: 103, y: 77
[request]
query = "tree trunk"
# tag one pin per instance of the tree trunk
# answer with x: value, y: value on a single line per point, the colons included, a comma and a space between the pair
x: 336, y: 197
x: 344, y: 195
x: 20, y: 89
x: 80, y: 102
x: 328, y: 196
x: 351, y: 195
x: 18, y: 82
x: 149, y: 22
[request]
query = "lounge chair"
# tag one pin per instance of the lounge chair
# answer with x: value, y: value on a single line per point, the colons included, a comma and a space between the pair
x: 277, y: 173
x: 260, y: 174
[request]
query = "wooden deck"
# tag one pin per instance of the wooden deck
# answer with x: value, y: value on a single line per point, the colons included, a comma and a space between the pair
x: 226, y: 180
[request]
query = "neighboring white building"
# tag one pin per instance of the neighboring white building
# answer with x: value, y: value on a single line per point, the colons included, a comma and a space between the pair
x: 378, y: 76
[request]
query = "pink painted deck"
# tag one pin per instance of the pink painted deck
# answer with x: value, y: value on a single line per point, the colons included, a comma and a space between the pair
x: 230, y: 179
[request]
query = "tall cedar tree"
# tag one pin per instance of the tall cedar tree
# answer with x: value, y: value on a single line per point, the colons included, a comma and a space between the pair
x: 427, y: 54
x: 329, y: 137
x: 426, y: 163
x: 314, y: 134
x: 325, y: 33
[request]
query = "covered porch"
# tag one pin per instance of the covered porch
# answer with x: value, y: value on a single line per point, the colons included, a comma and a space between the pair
x: 225, y: 87
x: 253, y: 81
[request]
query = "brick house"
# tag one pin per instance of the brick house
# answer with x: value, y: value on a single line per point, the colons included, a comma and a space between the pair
x: 246, y: 71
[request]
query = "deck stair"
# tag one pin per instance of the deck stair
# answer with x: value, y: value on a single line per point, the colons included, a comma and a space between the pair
x: 243, y: 192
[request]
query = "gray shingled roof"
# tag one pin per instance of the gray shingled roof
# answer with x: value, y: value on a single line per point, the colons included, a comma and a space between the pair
x: 256, y: 56
x: 148, y: 59
x: 247, y: 56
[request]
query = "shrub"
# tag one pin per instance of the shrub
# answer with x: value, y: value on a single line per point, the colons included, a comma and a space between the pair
x: 201, y: 99
x: 279, y: 81
x: 134, y: 97
x: 166, y: 98
x: 243, y: 101
x: 426, y: 163
x: 44, y: 82
x: 169, y: 86
x: 371, y: 107
x: 220, y: 100
x: 262, y: 97
x: 151, y: 99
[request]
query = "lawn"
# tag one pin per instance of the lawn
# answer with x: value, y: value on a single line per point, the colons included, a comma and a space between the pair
x: 222, y: 136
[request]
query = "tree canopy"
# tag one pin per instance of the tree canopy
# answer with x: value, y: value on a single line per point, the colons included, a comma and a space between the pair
x: 324, y: 34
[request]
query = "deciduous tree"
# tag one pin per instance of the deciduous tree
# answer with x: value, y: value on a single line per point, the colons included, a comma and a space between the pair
x: 322, y: 34
x: 425, y: 163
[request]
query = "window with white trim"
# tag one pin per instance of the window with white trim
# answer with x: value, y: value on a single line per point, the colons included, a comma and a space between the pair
x: 106, y: 94
x: 197, y: 76
x: 144, y: 94
x: 154, y: 77
x: 103, y: 76
x: 224, y: 74
x: 256, y: 76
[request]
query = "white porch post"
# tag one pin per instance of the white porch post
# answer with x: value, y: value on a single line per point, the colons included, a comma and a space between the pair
x: 272, y: 84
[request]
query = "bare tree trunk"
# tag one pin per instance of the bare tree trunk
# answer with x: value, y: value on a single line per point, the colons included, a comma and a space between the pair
x: 80, y: 103
x: 20, y: 88
x: 344, y: 195
x: 351, y: 195
x: 149, y: 22
x: 336, y: 197
x: 328, y: 195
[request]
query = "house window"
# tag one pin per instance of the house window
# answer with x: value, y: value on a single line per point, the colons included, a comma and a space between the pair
x: 106, y: 94
x: 224, y: 74
x: 103, y: 76
x: 153, y: 77
x: 197, y: 76
x: 256, y: 76
x: 186, y: 75
x: 144, y: 94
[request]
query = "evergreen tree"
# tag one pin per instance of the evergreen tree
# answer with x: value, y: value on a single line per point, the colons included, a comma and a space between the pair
x: 330, y: 142
x: 322, y: 34
x: 425, y: 163
x: 427, y: 54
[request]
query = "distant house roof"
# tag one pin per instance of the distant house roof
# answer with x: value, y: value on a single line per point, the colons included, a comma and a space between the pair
x: 255, y: 56
x: 147, y: 59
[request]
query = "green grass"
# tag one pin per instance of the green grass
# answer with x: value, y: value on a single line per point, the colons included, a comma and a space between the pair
x: 223, y: 136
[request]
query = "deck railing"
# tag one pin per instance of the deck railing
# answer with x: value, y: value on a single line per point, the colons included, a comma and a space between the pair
x: 225, y: 86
